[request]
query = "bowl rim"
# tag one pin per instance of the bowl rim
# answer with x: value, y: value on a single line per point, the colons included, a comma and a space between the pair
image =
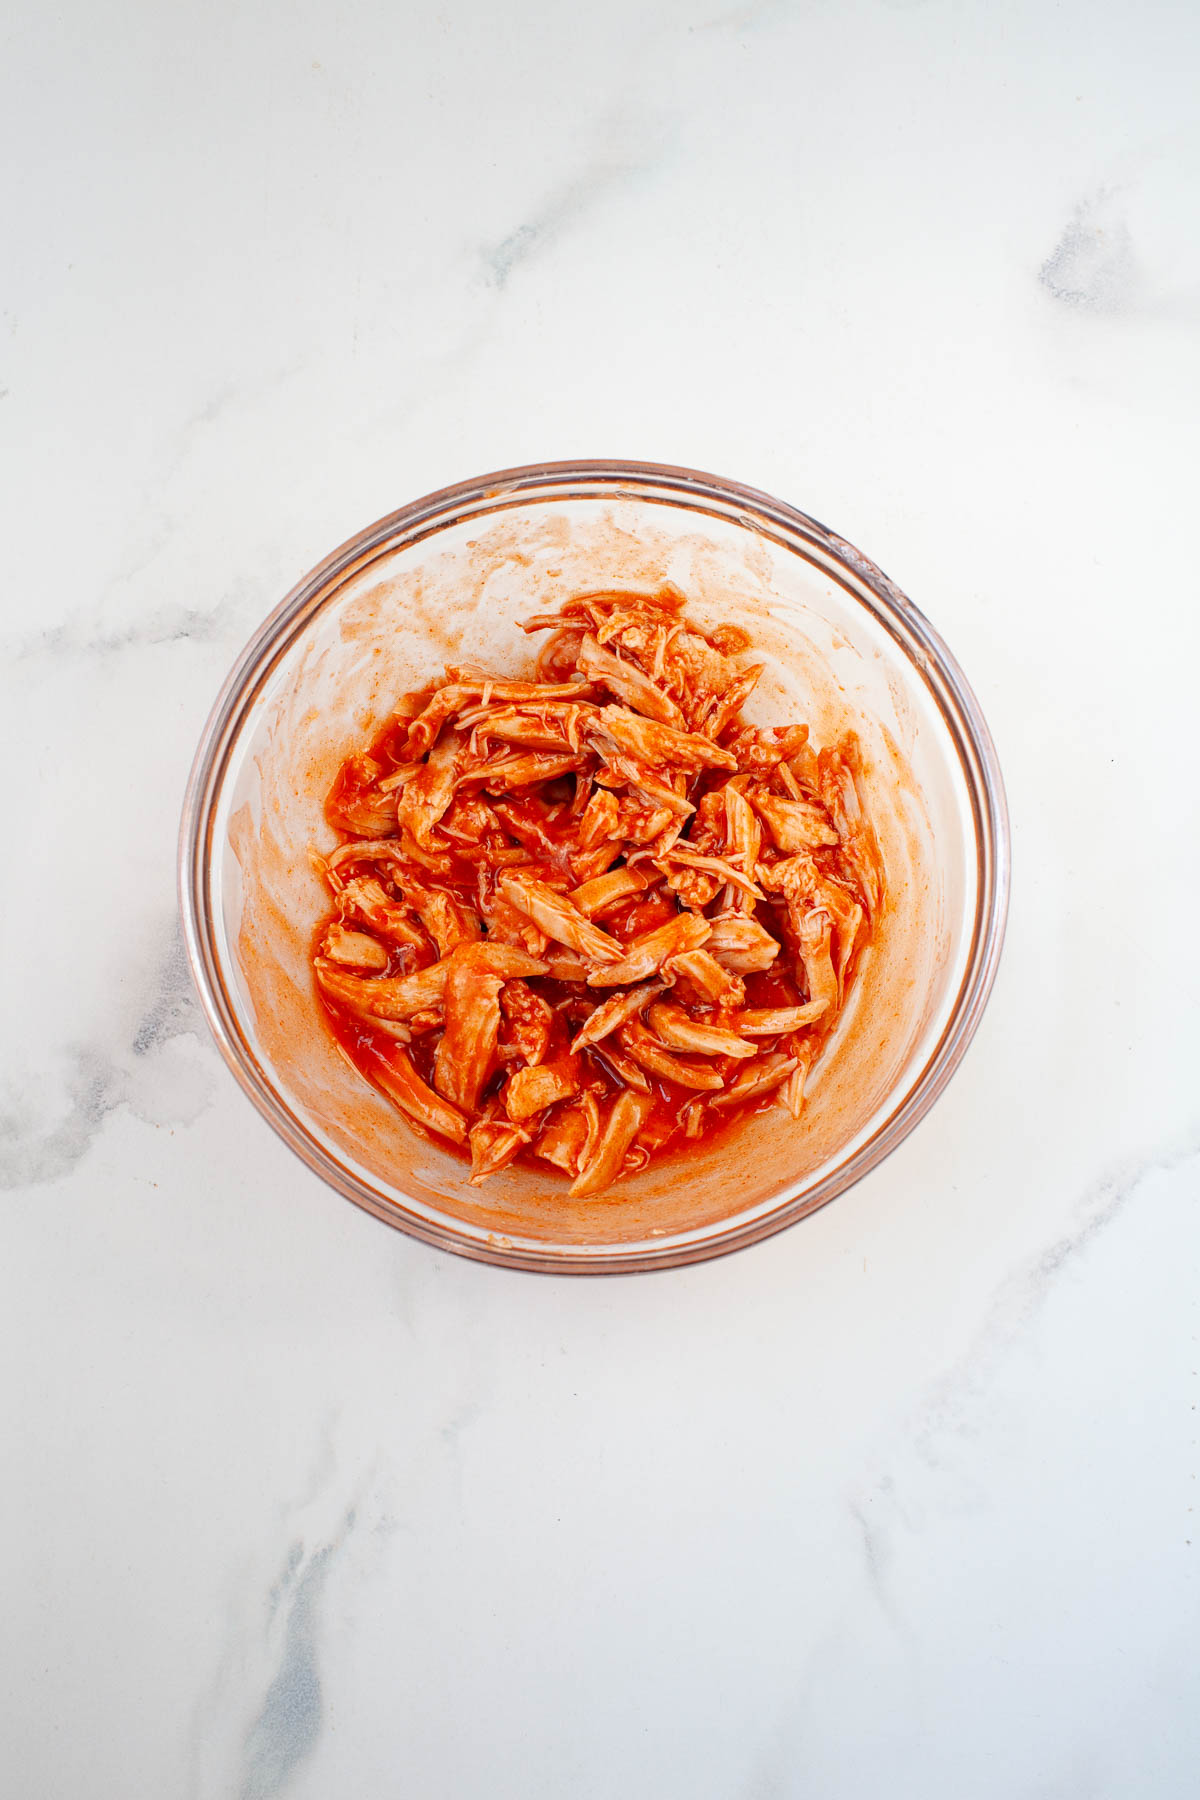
x: 499, y: 491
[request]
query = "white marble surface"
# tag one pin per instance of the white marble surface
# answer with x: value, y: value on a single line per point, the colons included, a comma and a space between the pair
x: 898, y: 1503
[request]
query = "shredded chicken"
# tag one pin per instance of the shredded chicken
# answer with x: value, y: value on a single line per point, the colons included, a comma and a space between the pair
x: 395, y: 1074
x: 490, y: 828
x: 794, y: 824
x: 757, y: 1078
x: 742, y: 944
x: 615, y: 1012
x: 555, y: 915
x: 567, y: 1135
x: 531, y: 1091
x: 629, y: 1113
x: 647, y: 954
x: 355, y: 949
x: 628, y: 682
x: 603, y: 892
x: 529, y: 1023
x: 679, y: 1031
x: 494, y: 1144
x: 383, y: 996
x: 774, y: 1021
x: 711, y: 981
x: 646, y: 1049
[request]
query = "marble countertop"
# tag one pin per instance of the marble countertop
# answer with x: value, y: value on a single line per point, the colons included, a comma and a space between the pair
x: 900, y: 1502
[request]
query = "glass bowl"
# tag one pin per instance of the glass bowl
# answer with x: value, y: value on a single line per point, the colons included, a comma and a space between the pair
x: 448, y: 578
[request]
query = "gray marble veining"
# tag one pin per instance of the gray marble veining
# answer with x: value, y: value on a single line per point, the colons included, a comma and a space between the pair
x: 901, y: 1502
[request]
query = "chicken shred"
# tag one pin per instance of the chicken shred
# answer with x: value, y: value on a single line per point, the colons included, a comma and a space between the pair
x: 713, y: 983
x: 742, y: 944
x: 646, y: 955
x: 679, y: 1031
x: 466, y: 1054
x: 534, y: 1090
x: 628, y: 1114
x: 603, y: 892
x: 355, y: 949
x: 395, y: 1074
x: 567, y: 1134
x: 559, y: 919
x: 493, y: 824
x: 494, y: 1144
x: 644, y: 1047
x: 794, y: 824
x: 528, y: 1022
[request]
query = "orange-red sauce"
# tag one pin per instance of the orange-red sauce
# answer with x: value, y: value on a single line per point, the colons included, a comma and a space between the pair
x: 366, y: 1046
x: 543, y: 824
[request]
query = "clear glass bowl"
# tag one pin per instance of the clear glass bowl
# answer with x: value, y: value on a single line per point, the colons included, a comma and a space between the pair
x: 448, y: 578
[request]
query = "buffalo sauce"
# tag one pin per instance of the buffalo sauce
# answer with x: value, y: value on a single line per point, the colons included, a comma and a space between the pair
x: 365, y: 1045
x: 531, y: 831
